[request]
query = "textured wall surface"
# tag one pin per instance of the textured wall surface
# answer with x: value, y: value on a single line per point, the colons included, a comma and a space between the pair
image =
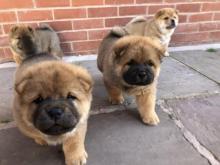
x: 81, y: 24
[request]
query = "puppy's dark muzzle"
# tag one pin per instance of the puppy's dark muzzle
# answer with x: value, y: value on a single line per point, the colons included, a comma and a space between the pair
x: 139, y: 75
x: 172, y: 24
x: 55, y: 117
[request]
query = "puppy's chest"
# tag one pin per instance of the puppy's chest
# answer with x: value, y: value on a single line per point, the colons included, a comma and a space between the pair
x: 165, y: 40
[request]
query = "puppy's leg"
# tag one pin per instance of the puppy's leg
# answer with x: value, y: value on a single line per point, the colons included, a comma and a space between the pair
x: 40, y: 141
x: 74, y: 148
x: 115, y: 93
x: 146, y: 108
x: 17, y: 58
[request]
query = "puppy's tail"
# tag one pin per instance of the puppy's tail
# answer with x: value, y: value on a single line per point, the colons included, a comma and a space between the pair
x: 45, y: 26
x: 118, y: 31
x: 137, y: 20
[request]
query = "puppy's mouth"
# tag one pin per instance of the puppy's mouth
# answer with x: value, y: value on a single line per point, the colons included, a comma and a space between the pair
x: 139, y: 75
x: 56, y: 117
x: 171, y: 27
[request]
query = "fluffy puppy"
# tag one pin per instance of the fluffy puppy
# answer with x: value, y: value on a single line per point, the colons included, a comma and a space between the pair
x: 52, y: 102
x: 160, y: 27
x: 25, y: 40
x: 131, y: 65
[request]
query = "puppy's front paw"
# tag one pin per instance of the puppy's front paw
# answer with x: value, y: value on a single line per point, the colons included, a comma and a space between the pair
x: 166, y: 54
x: 40, y: 141
x: 151, y: 119
x: 118, y: 100
x: 77, y: 159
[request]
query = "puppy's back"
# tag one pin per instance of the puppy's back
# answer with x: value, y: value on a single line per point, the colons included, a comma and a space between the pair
x: 105, y: 48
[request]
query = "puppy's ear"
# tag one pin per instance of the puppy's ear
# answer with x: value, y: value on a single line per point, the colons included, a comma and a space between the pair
x: 86, y: 82
x: 21, y: 86
x: 159, y: 13
x: 177, y: 12
x: 13, y: 29
x: 120, y: 49
x: 30, y: 29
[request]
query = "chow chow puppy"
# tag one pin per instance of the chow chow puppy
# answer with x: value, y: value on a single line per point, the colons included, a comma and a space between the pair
x: 51, y: 104
x: 160, y: 27
x: 131, y: 64
x: 25, y: 40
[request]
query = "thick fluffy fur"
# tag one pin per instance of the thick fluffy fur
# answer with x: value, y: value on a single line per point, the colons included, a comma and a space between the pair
x: 43, y: 78
x: 119, y: 59
x: 25, y: 41
x: 160, y: 27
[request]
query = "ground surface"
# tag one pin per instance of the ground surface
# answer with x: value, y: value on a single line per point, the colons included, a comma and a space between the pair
x: 188, y: 104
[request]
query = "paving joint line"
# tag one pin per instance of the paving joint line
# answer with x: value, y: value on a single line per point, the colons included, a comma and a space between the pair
x: 189, y: 136
x: 196, y: 70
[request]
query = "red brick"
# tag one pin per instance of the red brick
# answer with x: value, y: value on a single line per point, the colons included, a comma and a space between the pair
x: 9, y: 4
x: 186, y: 28
x: 211, y: 6
x: 97, y: 34
x: 176, y: 1
x: 8, y: 52
x: 88, y: 52
x: 60, y: 25
x: 188, y: 7
x: 69, y: 13
x: 203, y: 0
x: 208, y: 26
x: 102, y: 12
x: 88, y: 24
x: 36, y: 15
x: 52, y: 3
x: 1, y: 29
x: 87, y: 2
x: 7, y: 17
x: 217, y: 16
x: 148, y: 1
x: 132, y: 10
x: 86, y: 45
x: 112, y: 2
x: 190, y: 37
x: 110, y: 22
x: 154, y: 8
x: 2, y: 54
x: 200, y: 17
x: 7, y: 27
x: 66, y: 47
x: 215, y: 36
x: 182, y: 18
x: 73, y: 36
x: 4, y: 41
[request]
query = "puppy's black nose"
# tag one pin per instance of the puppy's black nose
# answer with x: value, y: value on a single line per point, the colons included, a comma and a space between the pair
x: 55, y: 113
x: 142, y: 74
x: 173, y: 22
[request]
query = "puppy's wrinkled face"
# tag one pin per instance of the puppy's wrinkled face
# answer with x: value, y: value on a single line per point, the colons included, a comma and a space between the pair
x: 22, y: 39
x: 137, y: 60
x: 167, y: 19
x: 54, y: 97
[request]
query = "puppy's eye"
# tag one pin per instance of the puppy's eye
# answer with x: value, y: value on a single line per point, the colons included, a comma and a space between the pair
x: 131, y: 62
x: 18, y: 38
x: 166, y: 18
x: 174, y: 17
x: 150, y: 63
x: 70, y: 96
x: 38, y: 100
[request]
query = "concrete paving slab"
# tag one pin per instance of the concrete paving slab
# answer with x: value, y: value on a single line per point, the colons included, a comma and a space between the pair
x: 201, y: 116
x: 6, y: 94
x: 207, y: 63
x: 175, y: 80
x: 115, y: 138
